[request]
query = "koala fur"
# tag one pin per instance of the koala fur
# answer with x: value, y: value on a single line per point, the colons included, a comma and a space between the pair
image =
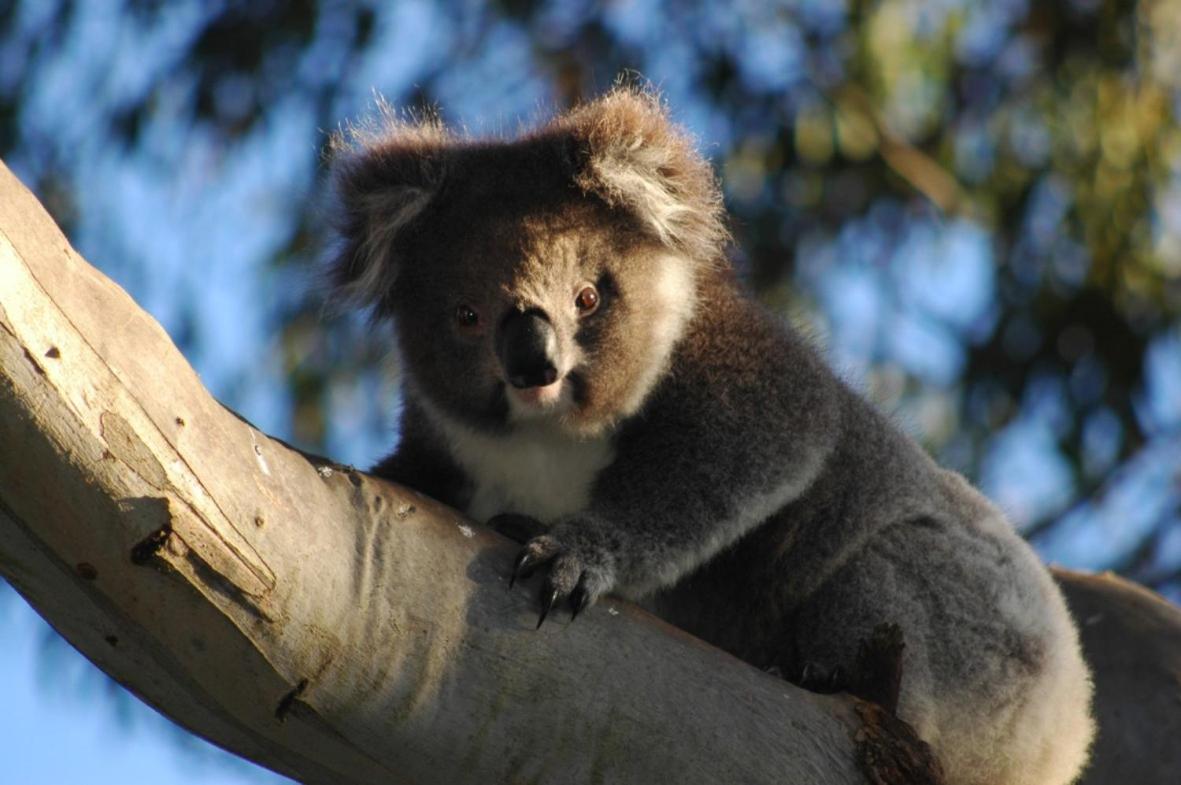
x: 683, y: 446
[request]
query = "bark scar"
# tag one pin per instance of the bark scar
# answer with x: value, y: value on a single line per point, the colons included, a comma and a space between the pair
x: 33, y: 361
x: 149, y: 546
x: 224, y: 585
x: 287, y: 702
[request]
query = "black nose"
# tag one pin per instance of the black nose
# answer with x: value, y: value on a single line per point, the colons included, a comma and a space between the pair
x: 528, y: 349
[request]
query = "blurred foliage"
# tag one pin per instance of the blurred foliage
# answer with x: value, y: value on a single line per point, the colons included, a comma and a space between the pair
x: 850, y: 137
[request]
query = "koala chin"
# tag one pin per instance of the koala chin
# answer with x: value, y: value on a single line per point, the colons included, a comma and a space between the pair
x: 577, y: 352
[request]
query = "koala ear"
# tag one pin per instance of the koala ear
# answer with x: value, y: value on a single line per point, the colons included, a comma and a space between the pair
x: 635, y: 157
x: 385, y: 175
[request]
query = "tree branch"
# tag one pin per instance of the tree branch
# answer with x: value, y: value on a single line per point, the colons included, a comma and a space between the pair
x: 320, y: 622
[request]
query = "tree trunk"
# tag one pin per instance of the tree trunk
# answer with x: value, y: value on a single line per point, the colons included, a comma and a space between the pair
x: 327, y: 625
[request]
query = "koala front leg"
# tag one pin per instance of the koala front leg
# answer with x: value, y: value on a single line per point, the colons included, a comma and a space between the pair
x: 647, y: 527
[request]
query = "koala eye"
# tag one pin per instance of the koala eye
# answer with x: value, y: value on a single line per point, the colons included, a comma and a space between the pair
x: 467, y: 317
x: 587, y: 301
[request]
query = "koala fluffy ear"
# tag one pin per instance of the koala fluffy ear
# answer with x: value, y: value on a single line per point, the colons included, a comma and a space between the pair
x: 635, y: 157
x: 385, y: 174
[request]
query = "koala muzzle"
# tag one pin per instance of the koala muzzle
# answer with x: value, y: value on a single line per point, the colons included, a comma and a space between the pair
x: 528, y: 349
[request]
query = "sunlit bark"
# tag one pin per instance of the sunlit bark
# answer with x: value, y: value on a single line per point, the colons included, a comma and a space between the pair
x: 327, y: 625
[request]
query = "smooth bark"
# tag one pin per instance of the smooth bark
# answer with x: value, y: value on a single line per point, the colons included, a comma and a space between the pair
x: 324, y: 624
x: 340, y: 629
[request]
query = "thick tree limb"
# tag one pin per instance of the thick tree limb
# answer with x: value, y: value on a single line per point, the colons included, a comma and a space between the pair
x: 327, y: 625
x: 322, y: 623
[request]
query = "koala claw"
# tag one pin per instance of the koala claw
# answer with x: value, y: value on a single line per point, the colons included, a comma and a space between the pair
x: 557, y: 586
x: 548, y: 598
x: 539, y: 551
x: 522, y: 568
x: 580, y: 600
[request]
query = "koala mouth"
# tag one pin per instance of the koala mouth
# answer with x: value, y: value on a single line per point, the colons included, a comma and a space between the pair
x: 557, y: 403
x: 540, y: 402
x: 542, y: 396
x: 562, y: 404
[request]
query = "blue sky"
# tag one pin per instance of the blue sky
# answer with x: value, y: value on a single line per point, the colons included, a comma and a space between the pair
x: 61, y: 724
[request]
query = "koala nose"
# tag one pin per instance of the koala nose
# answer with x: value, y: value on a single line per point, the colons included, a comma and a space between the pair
x: 528, y: 349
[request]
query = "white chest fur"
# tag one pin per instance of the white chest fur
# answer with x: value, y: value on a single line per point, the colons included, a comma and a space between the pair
x: 535, y: 470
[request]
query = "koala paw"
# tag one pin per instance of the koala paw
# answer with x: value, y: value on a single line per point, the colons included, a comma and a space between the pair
x: 577, y: 572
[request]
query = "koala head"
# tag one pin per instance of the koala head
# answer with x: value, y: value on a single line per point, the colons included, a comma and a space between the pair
x: 542, y: 278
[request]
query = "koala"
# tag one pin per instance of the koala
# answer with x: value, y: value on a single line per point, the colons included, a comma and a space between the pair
x: 578, y: 353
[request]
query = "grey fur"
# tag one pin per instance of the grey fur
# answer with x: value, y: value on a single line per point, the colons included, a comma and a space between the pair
x: 699, y: 456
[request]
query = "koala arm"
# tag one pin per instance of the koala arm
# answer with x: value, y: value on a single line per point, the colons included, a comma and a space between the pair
x: 741, y: 425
